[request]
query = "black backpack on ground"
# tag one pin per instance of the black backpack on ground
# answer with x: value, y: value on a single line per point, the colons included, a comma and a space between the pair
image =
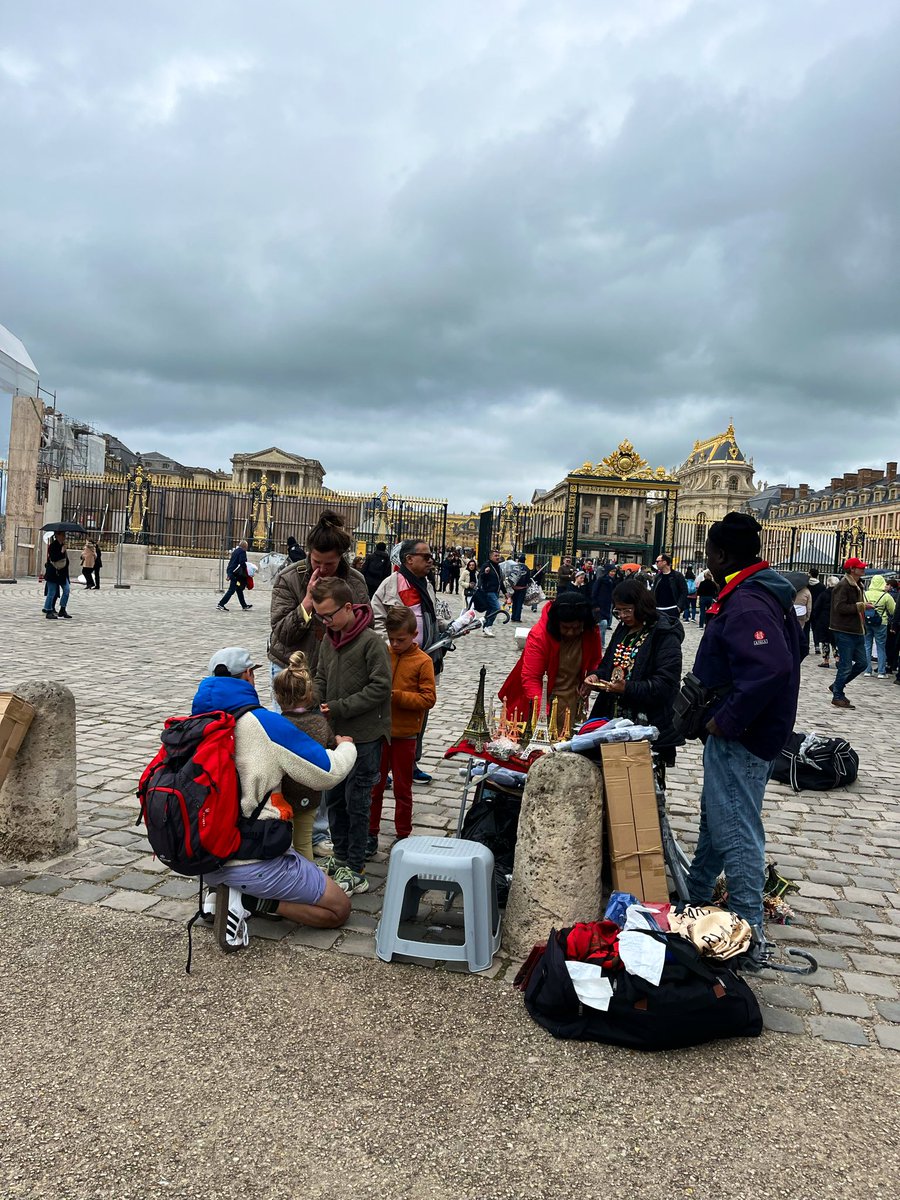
x: 696, y: 1001
x: 830, y: 763
x: 493, y: 820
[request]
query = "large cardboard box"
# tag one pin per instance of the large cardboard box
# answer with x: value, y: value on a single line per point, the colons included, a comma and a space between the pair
x: 15, y: 717
x: 632, y: 821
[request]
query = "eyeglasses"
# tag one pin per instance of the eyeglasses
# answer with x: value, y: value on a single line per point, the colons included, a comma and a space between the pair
x: 427, y: 557
x: 327, y: 618
x: 623, y: 612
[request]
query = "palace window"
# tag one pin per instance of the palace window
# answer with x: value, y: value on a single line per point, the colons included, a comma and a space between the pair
x: 716, y: 482
x: 604, y: 524
x: 586, y: 524
x: 620, y: 526
x: 732, y: 483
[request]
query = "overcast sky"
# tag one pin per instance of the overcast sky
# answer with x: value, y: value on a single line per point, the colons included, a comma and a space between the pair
x: 459, y: 247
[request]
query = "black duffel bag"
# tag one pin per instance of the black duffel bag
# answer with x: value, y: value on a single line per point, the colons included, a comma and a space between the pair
x: 696, y: 1001
x: 828, y: 763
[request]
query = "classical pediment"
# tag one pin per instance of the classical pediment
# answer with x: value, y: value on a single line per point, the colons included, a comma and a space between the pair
x: 274, y: 456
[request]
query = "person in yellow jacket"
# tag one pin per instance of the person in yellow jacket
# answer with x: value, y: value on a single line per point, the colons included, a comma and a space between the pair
x: 879, y: 609
x: 413, y: 693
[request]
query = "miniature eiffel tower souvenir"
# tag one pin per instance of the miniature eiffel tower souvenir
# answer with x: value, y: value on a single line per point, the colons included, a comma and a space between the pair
x: 552, y: 727
x: 540, y: 733
x: 477, y: 731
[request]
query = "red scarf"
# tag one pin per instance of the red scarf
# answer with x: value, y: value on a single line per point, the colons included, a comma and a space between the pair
x: 733, y: 583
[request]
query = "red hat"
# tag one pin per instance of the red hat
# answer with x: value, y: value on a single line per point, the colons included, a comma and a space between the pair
x: 855, y: 564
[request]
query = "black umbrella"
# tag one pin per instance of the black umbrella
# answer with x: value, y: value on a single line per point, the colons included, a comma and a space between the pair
x: 63, y: 527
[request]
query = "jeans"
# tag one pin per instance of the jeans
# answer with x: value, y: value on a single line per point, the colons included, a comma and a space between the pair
x: 851, y: 648
x: 705, y: 602
x: 690, y: 608
x: 320, y: 824
x: 518, y: 600
x: 603, y: 626
x: 234, y: 586
x: 731, y: 828
x: 879, y: 637
x: 349, y: 803
x: 398, y: 759
x: 493, y: 607
x: 54, y: 590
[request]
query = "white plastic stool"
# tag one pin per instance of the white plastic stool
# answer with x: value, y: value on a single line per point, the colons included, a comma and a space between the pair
x: 520, y: 636
x: 422, y: 864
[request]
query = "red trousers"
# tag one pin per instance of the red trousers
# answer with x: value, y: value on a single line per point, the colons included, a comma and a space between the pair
x: 398, y: 758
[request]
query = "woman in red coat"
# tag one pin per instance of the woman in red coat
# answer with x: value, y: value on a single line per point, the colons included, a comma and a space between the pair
x: 564, y: 646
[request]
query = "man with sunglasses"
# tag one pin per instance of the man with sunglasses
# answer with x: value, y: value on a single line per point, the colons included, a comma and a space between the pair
x: 411, y: 586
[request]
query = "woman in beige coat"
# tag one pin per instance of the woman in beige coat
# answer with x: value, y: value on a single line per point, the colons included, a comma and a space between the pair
x: 88, y: 560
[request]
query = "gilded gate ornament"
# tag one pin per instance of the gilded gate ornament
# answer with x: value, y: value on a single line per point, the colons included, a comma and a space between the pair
x: 262, y: 495
x: 138, y: 502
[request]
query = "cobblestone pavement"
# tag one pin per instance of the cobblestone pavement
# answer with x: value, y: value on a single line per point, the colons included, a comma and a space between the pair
x: 134, y: 657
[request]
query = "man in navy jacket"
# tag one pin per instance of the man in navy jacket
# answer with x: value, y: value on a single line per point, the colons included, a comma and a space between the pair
x: 751, y: 647
x: 237, y: 575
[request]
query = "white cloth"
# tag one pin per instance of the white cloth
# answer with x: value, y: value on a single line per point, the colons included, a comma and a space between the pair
x: 641, y: 955
x: 591, y: 985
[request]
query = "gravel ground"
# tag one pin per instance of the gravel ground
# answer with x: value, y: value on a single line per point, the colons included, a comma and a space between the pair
x: 284, y: 1072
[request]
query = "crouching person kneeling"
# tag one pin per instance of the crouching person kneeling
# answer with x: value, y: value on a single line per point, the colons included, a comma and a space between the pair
x: 267, y: 876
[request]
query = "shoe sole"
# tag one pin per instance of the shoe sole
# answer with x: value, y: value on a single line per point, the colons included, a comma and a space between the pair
x: 220, y: 921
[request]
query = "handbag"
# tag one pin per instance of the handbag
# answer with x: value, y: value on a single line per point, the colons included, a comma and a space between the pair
x: 692, y: 707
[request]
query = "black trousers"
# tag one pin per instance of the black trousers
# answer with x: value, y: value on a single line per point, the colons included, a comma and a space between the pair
x: 88, y: 573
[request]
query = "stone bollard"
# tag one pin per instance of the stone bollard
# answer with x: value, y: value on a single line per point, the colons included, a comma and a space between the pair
x: 38, y: 800
x: 559, y: 851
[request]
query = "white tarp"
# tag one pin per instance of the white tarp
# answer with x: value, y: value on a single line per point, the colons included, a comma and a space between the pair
x: 17, y: 372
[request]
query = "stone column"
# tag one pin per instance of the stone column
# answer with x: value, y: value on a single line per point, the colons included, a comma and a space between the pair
x: 38, y: 798
x: 559, y: 851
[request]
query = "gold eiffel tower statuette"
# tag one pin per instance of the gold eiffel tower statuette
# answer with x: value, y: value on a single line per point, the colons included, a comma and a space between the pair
x: 552, y: 727
x: 527, y: 725
x: 567, y: 726
x: 540, y: 734
x: 477, y: 731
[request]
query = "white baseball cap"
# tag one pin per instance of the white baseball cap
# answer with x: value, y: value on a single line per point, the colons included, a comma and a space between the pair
x: 235, y: 659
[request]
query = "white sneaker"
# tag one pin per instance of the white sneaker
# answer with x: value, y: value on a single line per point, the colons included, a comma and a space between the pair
x: 323, y: 849
x: 882, y: 676
x: 208, y: 905
x: 230, y: 922
x: 488, y: 632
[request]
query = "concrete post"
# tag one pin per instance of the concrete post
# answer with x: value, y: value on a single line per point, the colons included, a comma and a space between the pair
x: 559, y: 851
x: 38, y: 799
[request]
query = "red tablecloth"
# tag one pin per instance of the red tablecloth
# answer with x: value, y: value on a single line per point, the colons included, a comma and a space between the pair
x: 514, y: 764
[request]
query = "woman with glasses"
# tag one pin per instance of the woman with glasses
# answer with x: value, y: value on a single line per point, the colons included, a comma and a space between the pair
x: 563, y: 646
x: 640, y: 674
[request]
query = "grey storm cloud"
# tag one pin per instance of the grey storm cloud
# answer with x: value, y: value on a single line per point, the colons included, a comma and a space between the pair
x: 460, y: 248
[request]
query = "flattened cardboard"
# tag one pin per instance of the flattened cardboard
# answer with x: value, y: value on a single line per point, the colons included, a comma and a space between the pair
x: 16, y: 716
x: 632, y: 821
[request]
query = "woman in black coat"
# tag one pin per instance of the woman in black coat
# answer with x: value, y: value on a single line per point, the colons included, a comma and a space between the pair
x: 640, y: 673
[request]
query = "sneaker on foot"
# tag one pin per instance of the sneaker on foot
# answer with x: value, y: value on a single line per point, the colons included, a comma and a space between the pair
x: 487, y: 632
x: 331, y: 865
x: 420, y: 776
x: 230, y: 922
x: 371, y: 845
x: 208, y: 905
x: 247, y: 607
x: 221, y: 608
x: 323, y: 849
x: 350, y: 881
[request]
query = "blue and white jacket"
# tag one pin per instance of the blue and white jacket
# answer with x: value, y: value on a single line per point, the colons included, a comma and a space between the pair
x: 268, y: 747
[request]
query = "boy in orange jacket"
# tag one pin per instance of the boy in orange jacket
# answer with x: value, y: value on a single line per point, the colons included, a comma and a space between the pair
x: 412, y: 694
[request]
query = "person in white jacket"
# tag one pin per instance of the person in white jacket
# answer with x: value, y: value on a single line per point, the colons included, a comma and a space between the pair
x: 267, y: 748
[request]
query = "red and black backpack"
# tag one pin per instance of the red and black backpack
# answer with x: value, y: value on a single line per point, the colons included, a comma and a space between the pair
x: 190, y: 793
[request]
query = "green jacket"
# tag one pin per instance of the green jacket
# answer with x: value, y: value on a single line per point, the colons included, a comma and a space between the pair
x: 355, y: 682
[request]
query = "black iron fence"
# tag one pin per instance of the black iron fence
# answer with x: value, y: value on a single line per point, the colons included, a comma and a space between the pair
x: 182, y: 517
x: 798, y: 547
x: 522, y: 529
